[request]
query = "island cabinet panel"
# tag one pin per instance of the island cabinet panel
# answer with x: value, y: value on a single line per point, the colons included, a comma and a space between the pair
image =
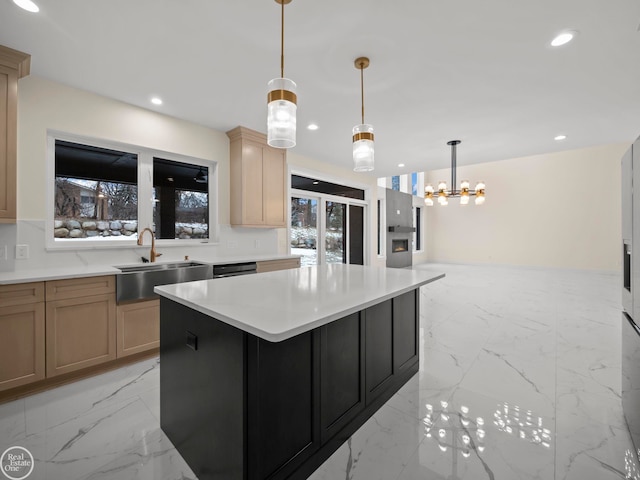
x: 405, y: 331
x: 342, y: 365
x: 238, y: 407
x: 282, y: 383
x: 202, y: 391
x: 379, y: 354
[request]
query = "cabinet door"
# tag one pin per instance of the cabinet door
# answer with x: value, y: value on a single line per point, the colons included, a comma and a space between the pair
x: 81, y: 332
x: 274, y: 181
x: 252, y: 185
x: 8, y: 143
x: 283, y: 384
x: 138, y: 327
x: 21, y: 344
x: 342, y: 390
x: 379, y: 354
x: 405, y: 331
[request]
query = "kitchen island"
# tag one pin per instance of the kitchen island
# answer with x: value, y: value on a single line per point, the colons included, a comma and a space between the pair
x: 264, y: 376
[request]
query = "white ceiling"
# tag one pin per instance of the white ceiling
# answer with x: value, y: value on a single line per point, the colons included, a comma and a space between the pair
x: 479, y: 71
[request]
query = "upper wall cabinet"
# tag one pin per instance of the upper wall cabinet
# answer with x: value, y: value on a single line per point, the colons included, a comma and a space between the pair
x: 13, y: 65
x: 258, y: 180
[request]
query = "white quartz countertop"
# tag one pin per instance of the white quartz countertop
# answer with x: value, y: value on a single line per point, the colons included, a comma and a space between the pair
x: 60, y: 273
x: 282, y: 304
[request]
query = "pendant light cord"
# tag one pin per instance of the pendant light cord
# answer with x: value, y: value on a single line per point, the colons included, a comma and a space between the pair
x: 362, y: 90
x: 282, y: 42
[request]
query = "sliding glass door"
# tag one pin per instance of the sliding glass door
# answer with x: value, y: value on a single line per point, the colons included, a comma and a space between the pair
x: 304, y: 229
x: 337, y: 236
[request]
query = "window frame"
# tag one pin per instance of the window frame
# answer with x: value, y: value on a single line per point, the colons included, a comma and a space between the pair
x: 145, y: 190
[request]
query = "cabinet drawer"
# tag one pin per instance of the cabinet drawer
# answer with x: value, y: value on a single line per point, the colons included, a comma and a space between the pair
x: 21, y: 294
x: 273, y: 265
x: 80, y: 287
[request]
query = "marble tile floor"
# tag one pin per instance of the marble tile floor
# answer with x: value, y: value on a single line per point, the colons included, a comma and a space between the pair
x: 519, y: 379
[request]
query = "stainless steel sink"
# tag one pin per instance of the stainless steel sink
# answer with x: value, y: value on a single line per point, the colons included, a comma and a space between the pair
x: 137, y: 282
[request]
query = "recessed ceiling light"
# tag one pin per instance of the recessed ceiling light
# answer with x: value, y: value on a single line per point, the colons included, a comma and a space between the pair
x: 563, y: 38
x: 560, y: 137
x: 27, y: 5
x: 156, y: 101
x: 312, y: 126
x: 401, y: 165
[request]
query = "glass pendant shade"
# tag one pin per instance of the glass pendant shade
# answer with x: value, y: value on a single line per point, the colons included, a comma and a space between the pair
x: 480, y: 199
x: 363, y: 148
x: 281, y: 113
x: 428, y: 201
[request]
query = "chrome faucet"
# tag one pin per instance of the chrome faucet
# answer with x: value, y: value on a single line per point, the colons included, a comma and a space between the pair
x: 152, y: 254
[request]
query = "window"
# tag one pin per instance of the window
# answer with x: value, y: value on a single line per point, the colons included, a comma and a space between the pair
x: 180, y: 199
x: 395, y: 183
x: 414, y: 183
x: 97, y: 187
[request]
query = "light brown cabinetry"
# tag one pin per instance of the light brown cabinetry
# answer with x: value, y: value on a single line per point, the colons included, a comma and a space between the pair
x: 138, y: 327
x: 81, y: 323
x: 281, y: 264
x: 22, y: 326
x: 258, y: 180
x: 13, y: 65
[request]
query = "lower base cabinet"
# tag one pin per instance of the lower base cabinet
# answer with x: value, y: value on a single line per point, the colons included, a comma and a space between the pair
x: 22, y: 340
x: 138, y: 327
x: 22, y: 334
x: 81, y: 332
x: 239, y: 407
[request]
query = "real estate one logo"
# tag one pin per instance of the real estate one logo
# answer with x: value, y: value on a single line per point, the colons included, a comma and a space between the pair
x: 17, y: 463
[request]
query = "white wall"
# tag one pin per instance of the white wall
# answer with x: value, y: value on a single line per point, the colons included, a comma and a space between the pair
x: 557, y: 210
x: 44, y: 104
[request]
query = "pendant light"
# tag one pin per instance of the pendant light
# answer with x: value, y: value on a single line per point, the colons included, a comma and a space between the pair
x: 363, y: 133
x: 281, y: 102
x: 464, y: 193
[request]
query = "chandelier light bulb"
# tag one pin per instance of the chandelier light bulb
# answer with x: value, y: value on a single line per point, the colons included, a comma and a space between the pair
x: 464, y: 199
x: 428, y: 195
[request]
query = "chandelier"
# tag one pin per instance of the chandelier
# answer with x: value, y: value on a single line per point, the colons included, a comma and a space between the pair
x: 281, y: 102
x: 363, y: 148
x: 444, y: 193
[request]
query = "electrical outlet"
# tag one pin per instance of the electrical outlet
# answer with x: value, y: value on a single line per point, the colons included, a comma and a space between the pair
x: 22, y: 252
